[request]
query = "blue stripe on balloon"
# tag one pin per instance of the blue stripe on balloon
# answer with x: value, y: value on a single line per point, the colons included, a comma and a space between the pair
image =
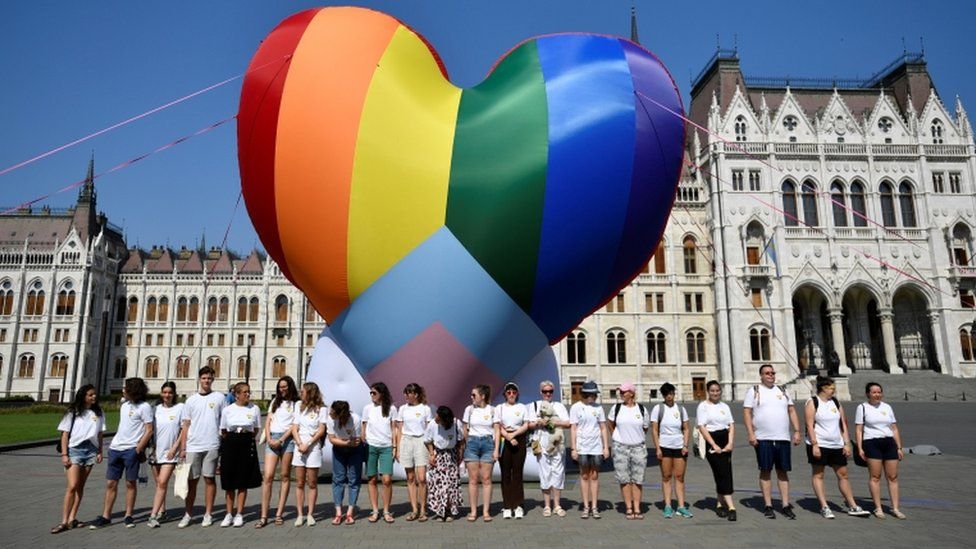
x: 656, y: 166
x: 438, y: 281
x: 591, y: 148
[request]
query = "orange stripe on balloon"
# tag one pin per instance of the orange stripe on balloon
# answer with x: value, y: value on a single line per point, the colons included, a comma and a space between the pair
x: 318, y: 125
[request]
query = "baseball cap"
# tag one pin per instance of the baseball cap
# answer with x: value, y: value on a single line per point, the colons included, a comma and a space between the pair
x: 590, y: 387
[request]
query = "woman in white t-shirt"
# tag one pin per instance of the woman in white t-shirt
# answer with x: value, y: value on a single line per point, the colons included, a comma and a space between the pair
x: 239, y: 470
x: 347, y: 458
x: 379, y: 417
x: 445, y: 444
x: 81, y: 431
x: 512, y: 422
x: 879, y: 443
x: 590, y: 445
x: 716, y: 426
x: 280, y: 447
x: 480, y: 442
x: 411, y: 424
x: 669, y: 427
x: 827, y: 444
x: 168, y: 417
x: 308, y: 431
x: 628, y: 423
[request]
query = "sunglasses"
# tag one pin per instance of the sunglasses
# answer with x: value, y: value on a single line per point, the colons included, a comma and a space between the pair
x: 547, y: 391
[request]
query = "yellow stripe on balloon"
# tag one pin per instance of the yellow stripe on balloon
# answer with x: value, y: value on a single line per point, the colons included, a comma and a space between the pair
x: 403, y: 160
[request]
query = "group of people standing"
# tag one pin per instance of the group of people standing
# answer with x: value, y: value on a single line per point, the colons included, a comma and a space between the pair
x: 212, y: 435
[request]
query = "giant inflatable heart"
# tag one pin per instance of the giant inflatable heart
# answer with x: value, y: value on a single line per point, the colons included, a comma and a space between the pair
x: 449, y: 235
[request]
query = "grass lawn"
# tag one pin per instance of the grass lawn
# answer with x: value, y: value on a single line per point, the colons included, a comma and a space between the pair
x: 27, y: 427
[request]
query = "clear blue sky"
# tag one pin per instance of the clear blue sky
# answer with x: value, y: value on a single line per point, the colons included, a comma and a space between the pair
x: 70, y: 68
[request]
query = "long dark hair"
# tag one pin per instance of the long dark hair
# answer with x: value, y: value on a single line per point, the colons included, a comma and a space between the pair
x: 136, y: 389
x: 445, y: 416
x: 385, y: 399
x: 416, y: 389
x: 341, y: 410
x: 485, y: 392
x: 291, y: 393
x: 78, y: 407
x: 176, y: 396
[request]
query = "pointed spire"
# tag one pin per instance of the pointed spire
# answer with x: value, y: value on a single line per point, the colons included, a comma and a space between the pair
x: 962, y: 119
x: 696, y: 145
x: 633, y: 24
x: 87, y: 192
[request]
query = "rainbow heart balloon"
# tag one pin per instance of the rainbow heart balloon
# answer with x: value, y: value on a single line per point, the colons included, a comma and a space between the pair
x: 449, y: 235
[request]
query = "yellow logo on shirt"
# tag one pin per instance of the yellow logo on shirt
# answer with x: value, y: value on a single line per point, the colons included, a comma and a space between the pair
x: 595, y: 413
x: 313, y: 415
x: 171, y: 418
x: 780, y: 397
x: 833, y: 410
x: 518, y: 414
x: 676, y: 415
x: 417, y: 414
x: 722, y: 412
x: 212, y: 405
x: 884, y: 414
x: 248, y: 416
x: 487, y: 417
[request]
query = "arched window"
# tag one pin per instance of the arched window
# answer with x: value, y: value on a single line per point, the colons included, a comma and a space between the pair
x: 740, y: 128
x: 759, y: 344
x: 576, y: 348
x: 163, y: 309
x: 839, y: 204
x: 181, y: 309
x: 659, y: 257
x: 967, y: 343
x: 962, y: 242
x: 887, y: 204
x: 121, y: 364
x: 6, y: 298
x: 616, y: 347
x: 311, y: 315
x: 789, y: 204
x: 26, y: 368
x: 214, y: 362
x: 212, y: 309
x: 695, y: 341
x: 194, y: 313
x: 59, y: 365
x: 35, y: 300
x: 242, y: 372
x: 279, y: 367
x: 66, y: 300
x: 689, y: 249
x: 183, y: 367
x: 937, y: 133
x: 809, y: 198
x: 906, y: 203
x: 152, y: 367
x: 281, y: 308
x: 755, y: 243
x: 133, y: 312
x: 151, y: 309
x: 656, y: 347
x: 242, y: 309
x: 858, y: 205
x: 253, y: 310
x: 224, y: 311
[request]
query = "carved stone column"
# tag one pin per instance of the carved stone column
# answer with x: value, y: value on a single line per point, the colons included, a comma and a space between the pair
x: 888, y: 338
x: 937, y: 343
x: 836, y: 317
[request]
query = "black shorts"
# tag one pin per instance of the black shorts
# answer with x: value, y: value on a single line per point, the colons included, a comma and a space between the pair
x: 774, y: 454
x: 829, y: 457
x: 673, y: 453
x: 881, y: 448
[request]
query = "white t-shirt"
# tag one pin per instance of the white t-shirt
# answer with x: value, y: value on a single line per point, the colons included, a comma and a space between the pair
x: 86, y: 427
x: 511, y: 416
x: 826, y: 423
x: 167, y: 430
x: 283, y: 416
x: 414, y: 419
x: 352, y: 429
x: 443, y: 438
x: 587, y: 419
x: 560, y: 412
x: 379, y: 429
x: 235, y: 416
x: 203, y: 413
x: 480, y: 421
x: 714, y: 417
x: 630, y: 424
x: 133, y: 419
x: 308, y: 421
x: 670, y: 434
x: 877, y: 421
x: 771, y: 417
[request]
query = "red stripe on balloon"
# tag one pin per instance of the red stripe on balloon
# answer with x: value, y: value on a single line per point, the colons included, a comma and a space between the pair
x: 257, y: 122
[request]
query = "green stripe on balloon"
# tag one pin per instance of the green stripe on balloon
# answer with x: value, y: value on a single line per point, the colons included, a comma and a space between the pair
x: 498, y: 172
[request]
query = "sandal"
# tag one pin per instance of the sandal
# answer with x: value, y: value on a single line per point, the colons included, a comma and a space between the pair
x: 279, y: 520
x: 472, y: 517
x: 559, y: 511
x: 75, y: 523
x: 388, y: 517
x: 374, y: 516
x: 261, y: 523
x: 630, y: 515
x: 486, y: 518
x: 594, y: 513
x: 422, y: 517
x: 337, y: 520
x: 638, y: 516
x: 546, y: 512
x: 350, y: 520
x: 412, y: 516
x: 64, y: 526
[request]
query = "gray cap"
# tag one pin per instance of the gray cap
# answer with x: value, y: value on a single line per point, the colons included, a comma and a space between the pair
x: 590, y: 387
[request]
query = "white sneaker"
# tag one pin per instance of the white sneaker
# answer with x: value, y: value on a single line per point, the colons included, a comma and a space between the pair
x: 507, y: 513
x: 299, y: 520
x: 228, y: 520
x: 153, y: 522
x: 310, y: 521
x: 826, y: 513
x: 207, y: 521
x: 185, y: 521
x: 238, y: 521
x: 519, y: 512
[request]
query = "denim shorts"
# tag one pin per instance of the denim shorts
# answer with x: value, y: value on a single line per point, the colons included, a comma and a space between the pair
x: 480, y: 449
x: 83, y: 454
x: 120, y: 461
x: 590, y: 461
x: 287, y: 447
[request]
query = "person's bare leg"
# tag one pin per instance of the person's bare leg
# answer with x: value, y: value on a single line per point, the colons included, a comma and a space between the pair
x: 766, y: 487
x: 267, y: 483
x: 817, y: 479
x: 891, y: 473
x: 783, y: 481
x: 111, y: 490
x: 210, y: 493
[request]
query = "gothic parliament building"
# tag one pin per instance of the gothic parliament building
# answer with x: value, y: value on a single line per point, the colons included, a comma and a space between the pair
x: 818, y: 224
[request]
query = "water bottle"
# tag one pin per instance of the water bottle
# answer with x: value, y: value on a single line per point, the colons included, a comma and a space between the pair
x: 143, y: 475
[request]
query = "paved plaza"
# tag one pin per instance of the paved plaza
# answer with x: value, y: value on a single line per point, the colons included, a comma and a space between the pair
x: 938, y: 495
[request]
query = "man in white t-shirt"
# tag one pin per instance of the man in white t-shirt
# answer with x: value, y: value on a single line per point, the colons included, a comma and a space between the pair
x: 200, y: 444
x: 768, y: 414
x: 550, y: 438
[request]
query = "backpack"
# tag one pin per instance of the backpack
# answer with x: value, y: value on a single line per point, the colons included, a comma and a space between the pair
x: 643, y: 412
x: 816, y: 406
x: 755, y: 389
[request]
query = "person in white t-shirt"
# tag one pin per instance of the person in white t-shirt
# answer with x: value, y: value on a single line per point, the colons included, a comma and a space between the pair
x: 827, y: 445
x: 239, y: 469
x: 590, y: 445
x: 168, y: 419
x: 127, y: 450
x: 672, y: 435
x: 512, y: 422
x: 200, y: 444
x: 444, y: 442
x: 279, y: 448
x: 411, y: 425
x: 347, y: 458
x: 717, y: 427
x: 628, y: 423
x: 879, y: 443
x: 308, y: 430
x: 379, y: 417
x: 549, y: 418
x: 768, y: 413
x: 81, y: 431
x: 480, y: 441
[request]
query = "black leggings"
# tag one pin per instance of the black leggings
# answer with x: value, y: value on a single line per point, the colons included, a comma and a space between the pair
x: 721, y: 463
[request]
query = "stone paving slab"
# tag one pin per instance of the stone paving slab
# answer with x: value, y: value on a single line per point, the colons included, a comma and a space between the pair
x: 939, y: 495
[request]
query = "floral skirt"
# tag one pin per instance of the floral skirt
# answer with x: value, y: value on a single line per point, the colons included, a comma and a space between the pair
x: 444, y: 483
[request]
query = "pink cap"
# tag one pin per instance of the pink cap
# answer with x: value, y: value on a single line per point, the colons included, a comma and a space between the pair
x: 627, y: 386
